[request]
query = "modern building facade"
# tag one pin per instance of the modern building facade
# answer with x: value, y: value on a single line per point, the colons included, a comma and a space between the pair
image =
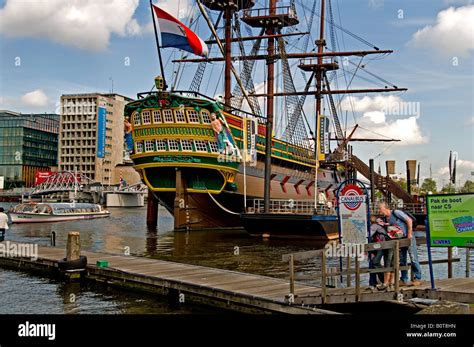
x: 91, y: 137
x: 28, y: 144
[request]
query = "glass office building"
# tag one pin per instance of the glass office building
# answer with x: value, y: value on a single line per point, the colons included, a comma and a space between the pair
x: 28, y: 144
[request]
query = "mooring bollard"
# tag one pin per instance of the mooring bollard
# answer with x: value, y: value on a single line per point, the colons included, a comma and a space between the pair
x: 53, y: 239
x: 74, y: 263
x: 73, y: 247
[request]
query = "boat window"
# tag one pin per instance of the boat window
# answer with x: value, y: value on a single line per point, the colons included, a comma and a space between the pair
x: 146, y: 117
x: 173, y: 145
x: 136, y: 118
x: 187, y: 145
x: 139, y: 147
x: 200, y: 146
x: 168, y: 116
x: 157, y: 116
x: 214, y: 147
x: 206, y: 117
x: 193, y: 116
x: 180, y: 117
x: 161, y: 145
x: 149, y: 146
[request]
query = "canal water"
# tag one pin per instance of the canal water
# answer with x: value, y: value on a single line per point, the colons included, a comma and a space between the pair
x: 126, y: 232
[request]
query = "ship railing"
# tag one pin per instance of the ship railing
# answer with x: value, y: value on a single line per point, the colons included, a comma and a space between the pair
x: 292, y: 206
x: 414, y: 208
x: 287, y: 11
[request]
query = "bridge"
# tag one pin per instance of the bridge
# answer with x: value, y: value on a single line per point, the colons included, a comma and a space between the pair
x: 64, y: 181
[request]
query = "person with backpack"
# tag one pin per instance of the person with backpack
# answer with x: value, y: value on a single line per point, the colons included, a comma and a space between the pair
x: 402, y: 220
x: 3, y: 224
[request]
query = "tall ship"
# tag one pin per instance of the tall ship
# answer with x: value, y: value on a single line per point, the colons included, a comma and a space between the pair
x: 209, y: 159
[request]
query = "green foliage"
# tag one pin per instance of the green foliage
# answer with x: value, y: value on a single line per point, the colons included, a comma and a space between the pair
x: 429, y: 185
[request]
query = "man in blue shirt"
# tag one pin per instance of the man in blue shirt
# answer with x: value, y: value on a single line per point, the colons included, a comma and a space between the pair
x: 399, y: 218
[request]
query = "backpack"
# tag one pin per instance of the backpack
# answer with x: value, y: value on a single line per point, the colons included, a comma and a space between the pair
x: 414, y: 222
x: 395, y: 232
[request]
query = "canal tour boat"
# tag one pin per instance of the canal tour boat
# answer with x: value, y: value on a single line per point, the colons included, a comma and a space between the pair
x: 56, y: 212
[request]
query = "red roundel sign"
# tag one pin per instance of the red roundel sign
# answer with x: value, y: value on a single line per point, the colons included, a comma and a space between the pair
x: 352, y: 197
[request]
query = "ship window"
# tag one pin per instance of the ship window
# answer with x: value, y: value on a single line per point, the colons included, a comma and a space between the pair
x: 139, y: 146
x: 200, y: 146
x: 187, y: 145
x: 173, y: 145
x: 180, y: 117
x: 156, y: 117
x: 146, y: 117
x: 206, y: 117
x: 136, y: 118
x: 168, y: 116
x: 193, y: 116
x: 214, y: 146
x: 149, y: 147
x: 161, y: 145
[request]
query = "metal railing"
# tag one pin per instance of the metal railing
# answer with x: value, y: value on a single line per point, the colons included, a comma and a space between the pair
x: 415, y: 208
x: 287, y: 11
x: 323, y: 207
x: 292, y: 206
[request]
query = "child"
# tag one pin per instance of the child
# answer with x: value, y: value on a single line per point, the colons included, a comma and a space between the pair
x: 387, y: 255
x: 377, y: 234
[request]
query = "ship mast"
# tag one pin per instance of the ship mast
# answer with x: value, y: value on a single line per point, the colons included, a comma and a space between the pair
x: 269, y: 122
x: 228, y: 54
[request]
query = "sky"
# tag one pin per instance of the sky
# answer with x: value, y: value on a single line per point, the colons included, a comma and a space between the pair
x: 54, y: 47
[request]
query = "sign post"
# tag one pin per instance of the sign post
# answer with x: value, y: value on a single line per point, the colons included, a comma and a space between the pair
x: 450, y: 222
x: 353, y: 212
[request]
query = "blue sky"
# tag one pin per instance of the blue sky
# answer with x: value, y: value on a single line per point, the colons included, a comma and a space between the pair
x: 74, y: 47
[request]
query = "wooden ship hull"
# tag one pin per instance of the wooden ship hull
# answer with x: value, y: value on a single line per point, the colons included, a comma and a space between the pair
x: 177, y: 155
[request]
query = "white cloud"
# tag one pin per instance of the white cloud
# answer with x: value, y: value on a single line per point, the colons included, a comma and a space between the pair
x: 471, y: 121
x: 376, y: 112
x: 453, y: 32
x: 85, y: 24
x: 180, y: 9
x: 36, y: 98
x: 369, y: 104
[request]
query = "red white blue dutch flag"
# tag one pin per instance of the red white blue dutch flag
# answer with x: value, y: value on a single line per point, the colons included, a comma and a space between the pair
x: 176, y: 34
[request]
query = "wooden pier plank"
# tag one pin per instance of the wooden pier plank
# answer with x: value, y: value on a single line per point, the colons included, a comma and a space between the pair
x: 261, y: 292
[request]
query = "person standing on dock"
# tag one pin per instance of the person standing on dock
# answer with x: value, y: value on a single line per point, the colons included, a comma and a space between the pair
x: 397, y: 217
x: 3, y: 224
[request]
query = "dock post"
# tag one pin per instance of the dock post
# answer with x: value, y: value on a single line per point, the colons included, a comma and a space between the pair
x: 152, y: 210
x: 348, y: 271
x: 450, y: 262
x: 323, y: 278
x: 180, y: 208
x: 292, y: 275
x: 73, y: 247
x: 357, y: 270
x: 468, y: 261
x: 396, y: 262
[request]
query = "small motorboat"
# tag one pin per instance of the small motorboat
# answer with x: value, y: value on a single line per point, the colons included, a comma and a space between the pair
x: 55, y: 212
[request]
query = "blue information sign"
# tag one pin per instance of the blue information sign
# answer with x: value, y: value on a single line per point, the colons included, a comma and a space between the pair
x: 101, y: 123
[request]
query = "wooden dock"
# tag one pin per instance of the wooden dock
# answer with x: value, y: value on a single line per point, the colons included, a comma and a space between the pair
x: 222, y: 288
x: 230, y: 289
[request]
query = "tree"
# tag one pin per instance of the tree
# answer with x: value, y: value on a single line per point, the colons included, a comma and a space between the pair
x: 447, y: 189
x: 429, y: 185
x: 468, y: 187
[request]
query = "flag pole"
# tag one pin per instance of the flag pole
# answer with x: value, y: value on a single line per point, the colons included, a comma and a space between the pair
x: 158, y: 46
